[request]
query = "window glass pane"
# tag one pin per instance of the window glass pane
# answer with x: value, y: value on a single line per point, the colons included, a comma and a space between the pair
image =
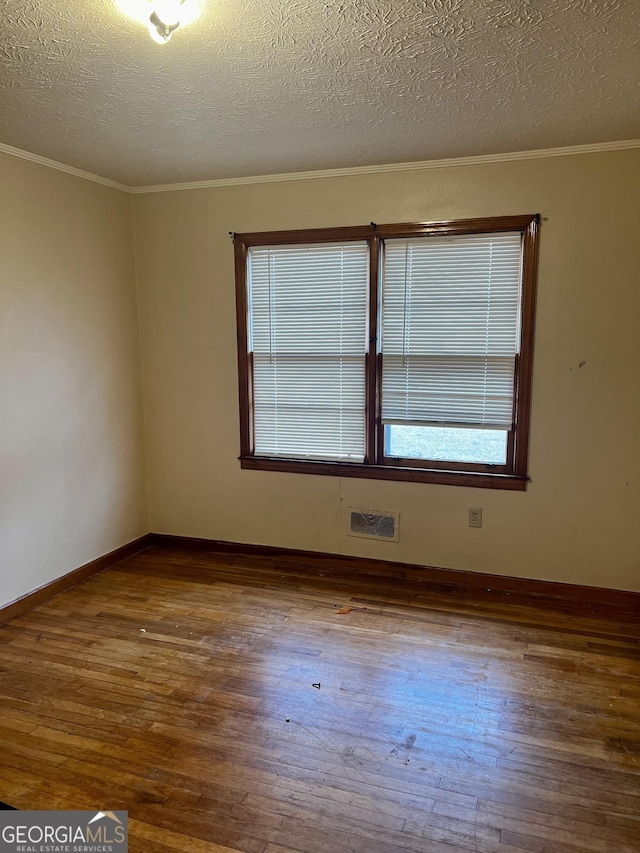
x: 446, y: 444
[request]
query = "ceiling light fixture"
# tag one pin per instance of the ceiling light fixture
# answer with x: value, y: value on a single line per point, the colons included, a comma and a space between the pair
x: 162, y: 17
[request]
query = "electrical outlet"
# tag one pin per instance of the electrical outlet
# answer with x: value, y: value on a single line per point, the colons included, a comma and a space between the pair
x: 475, y: 517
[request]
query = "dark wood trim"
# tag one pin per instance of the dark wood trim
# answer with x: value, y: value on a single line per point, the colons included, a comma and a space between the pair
x: 511, y: 435
x: 246, y: 407
x: 525, y: 361
x: 371, y: 407
x: 513, y: 475
x: 385, y: 472
x: 306, y: 235
x: 434, y: 464
x: 55, y: 587
x: 484, y: 225
x: 408, y: 229
x: 251, y: 425
x: 379, y: 425
x: 316, y: 560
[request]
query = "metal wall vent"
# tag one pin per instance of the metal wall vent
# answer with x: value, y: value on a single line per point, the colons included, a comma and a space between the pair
x: 373, y: 524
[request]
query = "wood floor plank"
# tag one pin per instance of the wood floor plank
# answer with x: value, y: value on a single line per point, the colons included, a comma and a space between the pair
x: 230, y: 708
x: 143, y: 835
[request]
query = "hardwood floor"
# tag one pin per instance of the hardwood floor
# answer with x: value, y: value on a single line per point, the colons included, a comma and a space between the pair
x: 184, y: 687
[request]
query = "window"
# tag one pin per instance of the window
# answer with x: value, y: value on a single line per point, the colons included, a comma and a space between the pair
x: 390, y: 351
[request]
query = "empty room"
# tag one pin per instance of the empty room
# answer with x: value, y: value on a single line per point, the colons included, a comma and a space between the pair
x: 319, y: 437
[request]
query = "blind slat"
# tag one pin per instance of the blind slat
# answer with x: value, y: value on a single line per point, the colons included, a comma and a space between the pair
x: 308, y: 335
x: 450, y: 329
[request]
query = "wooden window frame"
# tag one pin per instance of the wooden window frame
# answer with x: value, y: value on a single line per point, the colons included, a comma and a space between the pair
x: 513, y: 475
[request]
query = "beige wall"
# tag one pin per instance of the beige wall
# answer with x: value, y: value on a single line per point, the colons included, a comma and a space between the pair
x: 71, y: 443
x: 72, y: 478
x: 577, y: 522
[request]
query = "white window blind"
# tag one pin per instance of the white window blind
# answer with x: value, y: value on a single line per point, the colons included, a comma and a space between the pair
x: 451, y: 329
x: 308, y: 338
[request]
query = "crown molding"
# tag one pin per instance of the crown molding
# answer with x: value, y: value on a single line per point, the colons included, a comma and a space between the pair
x: 418, y: 165
x: 62, y: 167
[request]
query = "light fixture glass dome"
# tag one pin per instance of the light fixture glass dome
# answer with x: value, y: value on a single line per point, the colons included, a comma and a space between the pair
x: 161, y: 17
x: 168, y: 11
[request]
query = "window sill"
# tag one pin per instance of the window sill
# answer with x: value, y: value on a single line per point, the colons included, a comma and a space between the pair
x: 471, y: 479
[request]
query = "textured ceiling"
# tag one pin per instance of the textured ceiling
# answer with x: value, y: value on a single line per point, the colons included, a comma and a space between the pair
x: 286, y: 85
